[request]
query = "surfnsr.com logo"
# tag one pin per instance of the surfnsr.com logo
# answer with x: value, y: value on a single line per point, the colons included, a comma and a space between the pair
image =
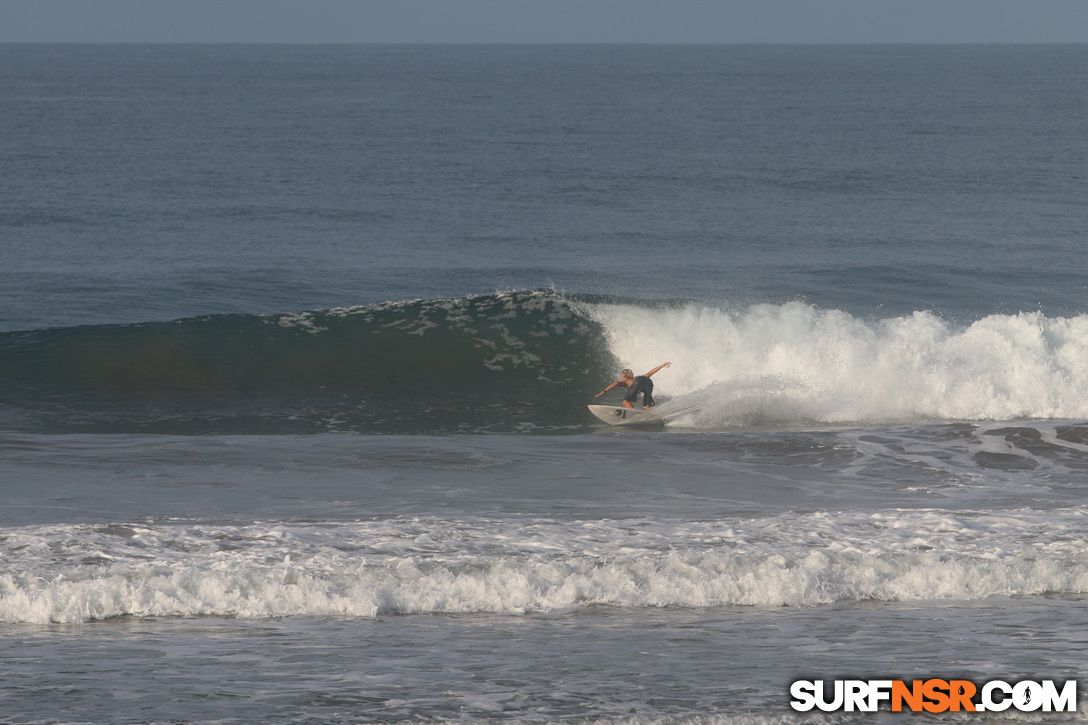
x: 934, y: 696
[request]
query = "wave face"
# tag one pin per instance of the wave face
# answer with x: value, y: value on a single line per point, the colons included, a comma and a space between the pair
x: 529, y: 361
x: 425, y: 566
x: 496, y: 362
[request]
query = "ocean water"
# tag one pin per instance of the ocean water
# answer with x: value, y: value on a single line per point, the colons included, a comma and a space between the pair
x: 295, y: 344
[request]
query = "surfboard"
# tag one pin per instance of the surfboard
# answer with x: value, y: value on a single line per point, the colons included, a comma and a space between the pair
x: 618, y: 415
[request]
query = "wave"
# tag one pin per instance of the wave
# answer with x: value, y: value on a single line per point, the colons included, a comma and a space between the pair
x: 529, y: 361
x: 493, y: 362
x: 76, y: 573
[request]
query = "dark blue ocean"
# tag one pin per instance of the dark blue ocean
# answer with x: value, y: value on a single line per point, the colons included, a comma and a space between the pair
x: 296, y: 344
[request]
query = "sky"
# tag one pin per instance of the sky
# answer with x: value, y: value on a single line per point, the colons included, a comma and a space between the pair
x: 544, y: 21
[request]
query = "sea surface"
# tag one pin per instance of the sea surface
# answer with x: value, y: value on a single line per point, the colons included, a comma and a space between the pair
x: 296, y: 343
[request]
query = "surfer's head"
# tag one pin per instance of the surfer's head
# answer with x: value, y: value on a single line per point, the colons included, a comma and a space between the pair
x: 625, y: 374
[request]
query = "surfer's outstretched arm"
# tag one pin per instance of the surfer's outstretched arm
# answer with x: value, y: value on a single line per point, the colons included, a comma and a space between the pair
x: 662, y: 365
x: 610, y: 386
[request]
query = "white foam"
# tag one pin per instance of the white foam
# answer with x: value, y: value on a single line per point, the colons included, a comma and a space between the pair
x: 794, y: 362
x: 67, y: 573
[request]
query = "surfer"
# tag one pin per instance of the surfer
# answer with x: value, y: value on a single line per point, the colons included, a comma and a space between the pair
x: 635, y: 385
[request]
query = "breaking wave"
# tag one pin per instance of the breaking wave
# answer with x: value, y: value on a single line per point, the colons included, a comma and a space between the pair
x: 793, y: 363
x: 76, y: 573
x: 529, y: 361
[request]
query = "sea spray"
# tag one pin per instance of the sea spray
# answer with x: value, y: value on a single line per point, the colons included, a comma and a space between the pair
x: 794, y: 363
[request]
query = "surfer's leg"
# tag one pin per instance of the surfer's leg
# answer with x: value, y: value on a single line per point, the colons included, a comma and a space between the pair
x: 641, y: 385
x: 648, y: 393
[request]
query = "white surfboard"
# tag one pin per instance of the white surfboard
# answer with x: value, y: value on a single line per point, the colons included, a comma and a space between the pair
x: 618, y: 415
